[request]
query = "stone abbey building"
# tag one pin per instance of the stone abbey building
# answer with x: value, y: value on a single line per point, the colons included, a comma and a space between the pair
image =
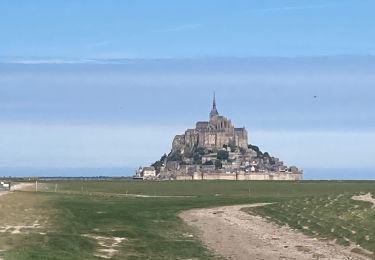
x: 215, y: 133
x: 215, y: 149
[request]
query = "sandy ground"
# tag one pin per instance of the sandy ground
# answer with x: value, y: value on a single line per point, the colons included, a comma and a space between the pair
x: 367, y: 197
x: 18, y: 186
x: 17, y: 229
x: 157, y: 196
x: 107, y: 245
x: 234, y: 234
x: 23, y: 186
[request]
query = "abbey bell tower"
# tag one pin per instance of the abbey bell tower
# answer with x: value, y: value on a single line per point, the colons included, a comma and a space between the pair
x: 214, y: 110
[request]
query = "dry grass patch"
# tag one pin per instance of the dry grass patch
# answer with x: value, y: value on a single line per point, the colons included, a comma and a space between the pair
x: 107, y: 245
x: 366, y: 197
x: 20, y: 215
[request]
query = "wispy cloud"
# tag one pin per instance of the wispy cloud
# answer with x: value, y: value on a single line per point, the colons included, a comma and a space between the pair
x: 50, y: 61
x: 108, y: 58
x: 182, y: 27
x: 286, y: 8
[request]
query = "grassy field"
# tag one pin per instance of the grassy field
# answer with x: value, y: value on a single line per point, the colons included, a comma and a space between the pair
x: 81, y: 219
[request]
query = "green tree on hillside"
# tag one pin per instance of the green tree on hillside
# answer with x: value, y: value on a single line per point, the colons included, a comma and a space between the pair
x: 218, y: 164
x: 157, y: 165
x: 256, y: 149
x: 222, y: 155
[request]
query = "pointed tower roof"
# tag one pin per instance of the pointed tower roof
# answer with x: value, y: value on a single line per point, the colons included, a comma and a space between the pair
x: 214, y: 102
x: 214, y: 110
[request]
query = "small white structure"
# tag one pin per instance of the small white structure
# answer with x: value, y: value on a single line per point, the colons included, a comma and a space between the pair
x: 148, y: 172
x: 4, y: 185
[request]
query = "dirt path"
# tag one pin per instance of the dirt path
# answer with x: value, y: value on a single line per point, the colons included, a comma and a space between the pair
x: 18, y: 186
x: 23, y: 186
x: 237, y: 235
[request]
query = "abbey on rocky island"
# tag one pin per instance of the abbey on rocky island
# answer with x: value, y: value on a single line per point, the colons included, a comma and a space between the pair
x: 215, y: 149
x: 213, y: 134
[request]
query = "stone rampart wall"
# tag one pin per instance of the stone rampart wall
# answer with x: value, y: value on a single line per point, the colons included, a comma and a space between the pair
x: 276, y: 176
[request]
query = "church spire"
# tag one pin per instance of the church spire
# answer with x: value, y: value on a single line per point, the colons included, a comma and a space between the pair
x: 214, y: 102
x: 214, y: 110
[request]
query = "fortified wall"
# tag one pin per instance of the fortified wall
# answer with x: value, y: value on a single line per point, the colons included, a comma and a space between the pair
x: 275, y: 176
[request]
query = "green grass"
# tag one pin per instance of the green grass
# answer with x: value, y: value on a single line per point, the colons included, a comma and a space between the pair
x: 269, y: 189
x: 151, y: 225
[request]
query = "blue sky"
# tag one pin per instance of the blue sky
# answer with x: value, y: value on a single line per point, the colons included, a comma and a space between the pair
x: 170, y: 29
x: 109, y: 83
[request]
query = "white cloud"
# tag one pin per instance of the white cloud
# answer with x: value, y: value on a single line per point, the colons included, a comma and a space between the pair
x: 51, y: 61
